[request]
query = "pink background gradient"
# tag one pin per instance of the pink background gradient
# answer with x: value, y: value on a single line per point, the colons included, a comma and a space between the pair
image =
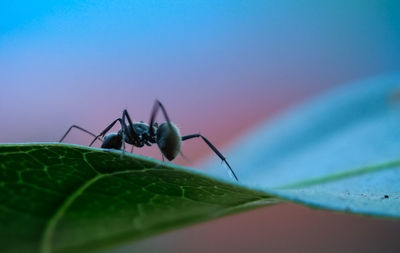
x: 219, y: 67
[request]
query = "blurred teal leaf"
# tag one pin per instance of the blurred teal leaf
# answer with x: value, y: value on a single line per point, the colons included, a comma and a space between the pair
x: 340, y: 151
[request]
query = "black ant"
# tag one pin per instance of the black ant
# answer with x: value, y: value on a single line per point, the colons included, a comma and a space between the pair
x: 138, y: 134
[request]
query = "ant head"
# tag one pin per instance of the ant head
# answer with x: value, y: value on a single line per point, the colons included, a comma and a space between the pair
x: 169, y: 140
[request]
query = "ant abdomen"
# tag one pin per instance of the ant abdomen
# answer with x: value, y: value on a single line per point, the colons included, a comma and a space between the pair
x: 112, y: 140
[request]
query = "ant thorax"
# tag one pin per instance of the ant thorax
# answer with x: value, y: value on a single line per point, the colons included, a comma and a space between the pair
x: 142, y: 131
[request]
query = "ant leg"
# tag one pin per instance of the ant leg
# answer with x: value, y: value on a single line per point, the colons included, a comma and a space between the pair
x: 105, y: 130
x: 187, y: 137
x: 161, y: 162
x: 184, y: 157
x: 79, y: 128
x: 132, y: 131
x: 132, y: 135
x: 156, y: 107
x: 123, y: 148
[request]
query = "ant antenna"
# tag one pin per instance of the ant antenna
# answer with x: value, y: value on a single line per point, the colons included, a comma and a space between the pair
x: 156, y: 107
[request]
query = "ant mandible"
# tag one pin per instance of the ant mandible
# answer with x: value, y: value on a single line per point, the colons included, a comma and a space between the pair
x: 138, y: 134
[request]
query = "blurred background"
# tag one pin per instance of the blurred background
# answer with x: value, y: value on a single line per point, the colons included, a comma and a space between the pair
x: 219, y: 67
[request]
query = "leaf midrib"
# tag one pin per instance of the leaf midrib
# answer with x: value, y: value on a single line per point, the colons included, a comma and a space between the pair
x: 45, y: 245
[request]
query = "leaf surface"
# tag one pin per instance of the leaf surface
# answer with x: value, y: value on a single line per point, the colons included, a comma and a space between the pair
x: 65, y: 198
x: 339, y: 152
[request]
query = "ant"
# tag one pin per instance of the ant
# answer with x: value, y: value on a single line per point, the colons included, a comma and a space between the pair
x: 138, y: 134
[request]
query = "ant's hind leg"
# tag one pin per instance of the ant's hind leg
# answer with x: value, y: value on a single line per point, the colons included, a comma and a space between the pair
x: 79, y: 128
x: 105, y: 131
x: 187, y: 137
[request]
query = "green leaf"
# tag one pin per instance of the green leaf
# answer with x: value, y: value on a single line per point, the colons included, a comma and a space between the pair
x: 63, y: 198
x: 340, y: 151
x: 69, y: 198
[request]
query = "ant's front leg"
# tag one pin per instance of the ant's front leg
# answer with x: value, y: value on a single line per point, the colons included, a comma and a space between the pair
x: 187, y: 137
